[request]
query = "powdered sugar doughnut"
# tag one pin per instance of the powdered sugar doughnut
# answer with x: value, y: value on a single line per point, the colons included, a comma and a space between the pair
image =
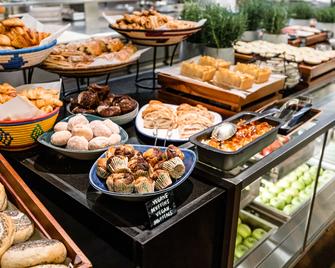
x: 84, y: 131
x: 60, y: 126
x: 114, y: 139
x: 77, y: 143
x: 112, y: 126
x: 60, y: 138
x: 101, y: 131
x: 98, y: 143
x: 78, y: 119
x: 94, y: 123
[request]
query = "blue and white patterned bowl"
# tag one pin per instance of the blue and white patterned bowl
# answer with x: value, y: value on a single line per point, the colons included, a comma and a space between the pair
x: 24, y: 57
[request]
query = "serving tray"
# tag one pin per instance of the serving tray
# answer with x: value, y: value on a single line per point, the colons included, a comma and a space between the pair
x: 26, y: 201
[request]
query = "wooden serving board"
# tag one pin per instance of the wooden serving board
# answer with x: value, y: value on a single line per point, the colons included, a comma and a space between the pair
x: 233, y: 101
x: 310, y: 40
x: 26, y: 201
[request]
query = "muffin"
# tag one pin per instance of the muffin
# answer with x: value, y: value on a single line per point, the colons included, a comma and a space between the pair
x: 175, y: 167
x: 162, y: 179
x: 118, y: 164
x: 102, y: 170
x: 139, y: 167
x: 173, y: 151
x: 144, y: 185
x: 121, y: 182
x: 153, y: 156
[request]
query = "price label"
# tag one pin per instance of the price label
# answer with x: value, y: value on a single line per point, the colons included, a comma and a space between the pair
x: 161, y: 208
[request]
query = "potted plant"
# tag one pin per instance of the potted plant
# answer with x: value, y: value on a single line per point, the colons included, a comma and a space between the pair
x: 274, y: 20
x: 253, y: 11
x: 195, y: 44
x: 300, y: 13
x: 326, y: 18
x: 222, y: 28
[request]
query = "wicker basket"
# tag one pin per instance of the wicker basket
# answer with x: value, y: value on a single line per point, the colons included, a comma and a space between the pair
x: 25, y: 57
x: 23, y: 134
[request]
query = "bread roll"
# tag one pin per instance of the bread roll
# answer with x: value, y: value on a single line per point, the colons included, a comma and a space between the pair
x: 6, y: 233
x: 3, y: 198
x: 24, y: 228
x: 34, y: 252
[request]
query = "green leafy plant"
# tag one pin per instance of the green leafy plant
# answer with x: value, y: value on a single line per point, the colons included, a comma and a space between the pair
x: 254, y: 11
x: 326, y: 14
x: 222, y: 27
x: 301, y: 10
x: 274, y: 19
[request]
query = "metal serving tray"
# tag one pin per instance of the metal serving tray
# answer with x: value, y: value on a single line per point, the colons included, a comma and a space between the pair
x: 229, y: 160
x: 255, y: 222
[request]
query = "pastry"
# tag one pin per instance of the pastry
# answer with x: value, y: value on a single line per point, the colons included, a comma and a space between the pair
x: 4, y: 40
x: 3, y: 198
x: 77, y: 120
x: 60, y: 138
x: 173, y: 151
x: 102, y: 170
x: 112, y: 126
x: 162, y: 179
x: 30, y: 253
x: 261, y: 75
x: 118, y: 164
x: 108, y: 111
x: 121, y: 182
x: 202, y: 72
x: 144, y: 185
x: 159, y: 115
x: 50, y: 266
x: 7, y: 230
x: 226, y: 78
x: 114, y: 139
x: 77, y: 143
x: 101, y: 131
x: 139, y: 166
x: 210, y: 61
x: 153, y: 156
x: 83, y: 131
x: 24, y: 228
x: 88, y: 99
x: 175, y: 167
x: 99, y: 143
x: 60, y: 126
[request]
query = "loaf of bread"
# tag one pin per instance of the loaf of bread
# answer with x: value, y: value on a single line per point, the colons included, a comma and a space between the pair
x: 32, y: 253
x: 261, y: 75
x: 3, y: 198
x: 6, y: 233
x: 24, y: 228
x: 210, y: 61
x: 193, y: 70
x: 226, y: 78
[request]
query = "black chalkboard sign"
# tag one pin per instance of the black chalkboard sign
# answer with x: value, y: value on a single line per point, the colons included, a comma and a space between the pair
x: 161, y: 208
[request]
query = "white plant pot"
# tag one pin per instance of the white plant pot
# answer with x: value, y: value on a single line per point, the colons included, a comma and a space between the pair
x: 249, y: 36
x: 275, y: 38
x: 189, y: 50
x: 221, y: 53
x: 299, y: 22
x: 326, y: 26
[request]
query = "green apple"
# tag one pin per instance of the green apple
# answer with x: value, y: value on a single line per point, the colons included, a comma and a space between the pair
x: 307, y: 178
x: 277, y: 202
x: 292, y: 192
x: 243, y: 230
x: 291, y: 177
x: 304, y: 167
x: 296, y: 201
x: 266, y: 197
x: 238, y: 240
x: 283, y: 184
x: 276, y: 189
x: 288, y: 209
x: 285, y: 196
x: 240, y: 250
x: 313, y: 171
x: 258, y: 233
x: 303, y: 196
x: 249, y: 241
x: 298, y: 185
x: 239, y: 221
x: 308, y: 190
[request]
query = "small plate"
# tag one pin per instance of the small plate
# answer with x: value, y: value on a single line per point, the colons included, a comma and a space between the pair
x: 162, y: 133
x: 119, y: 119
x: 100, y: 185
x: 79, y: 154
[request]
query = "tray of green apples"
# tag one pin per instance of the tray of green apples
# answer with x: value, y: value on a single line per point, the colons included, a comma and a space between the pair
x: 252, y: 231
x: 286, y: 196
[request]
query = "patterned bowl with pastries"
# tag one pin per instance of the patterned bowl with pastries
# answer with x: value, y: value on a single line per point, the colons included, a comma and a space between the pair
x: 14, y: 59
x: 22, y: 134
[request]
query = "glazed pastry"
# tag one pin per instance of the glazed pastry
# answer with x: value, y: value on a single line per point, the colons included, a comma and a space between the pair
x: 126, y: 103
x: 88, y: 99
x: 101, y: 131
x: 121, y: 182
x: 114, y: 139
x: 3, y: 198
x: 60, y: 138
x: 30, y: 253
x: 102, y: 170
x: 162, y: 179
x: 7, y: 230
x: 210, y: 61
x: 139, y: 167
x: 144, y: 185
x: 118, y: 164
x: 60, y: 126
x: 78, y: 119
x: 83, y: 131
x: 24, y: 228
x: 77, y: 143
x: 112, y: 126
x: 261, y: 75
x: 173, y: 151
x: 175, y: 167
x: 98, y: 143
x: 201, y: 72
x: 153, y: 156
x: 109, y: 111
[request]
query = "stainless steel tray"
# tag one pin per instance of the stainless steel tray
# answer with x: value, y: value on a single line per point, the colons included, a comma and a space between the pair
x: 255, y: 222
